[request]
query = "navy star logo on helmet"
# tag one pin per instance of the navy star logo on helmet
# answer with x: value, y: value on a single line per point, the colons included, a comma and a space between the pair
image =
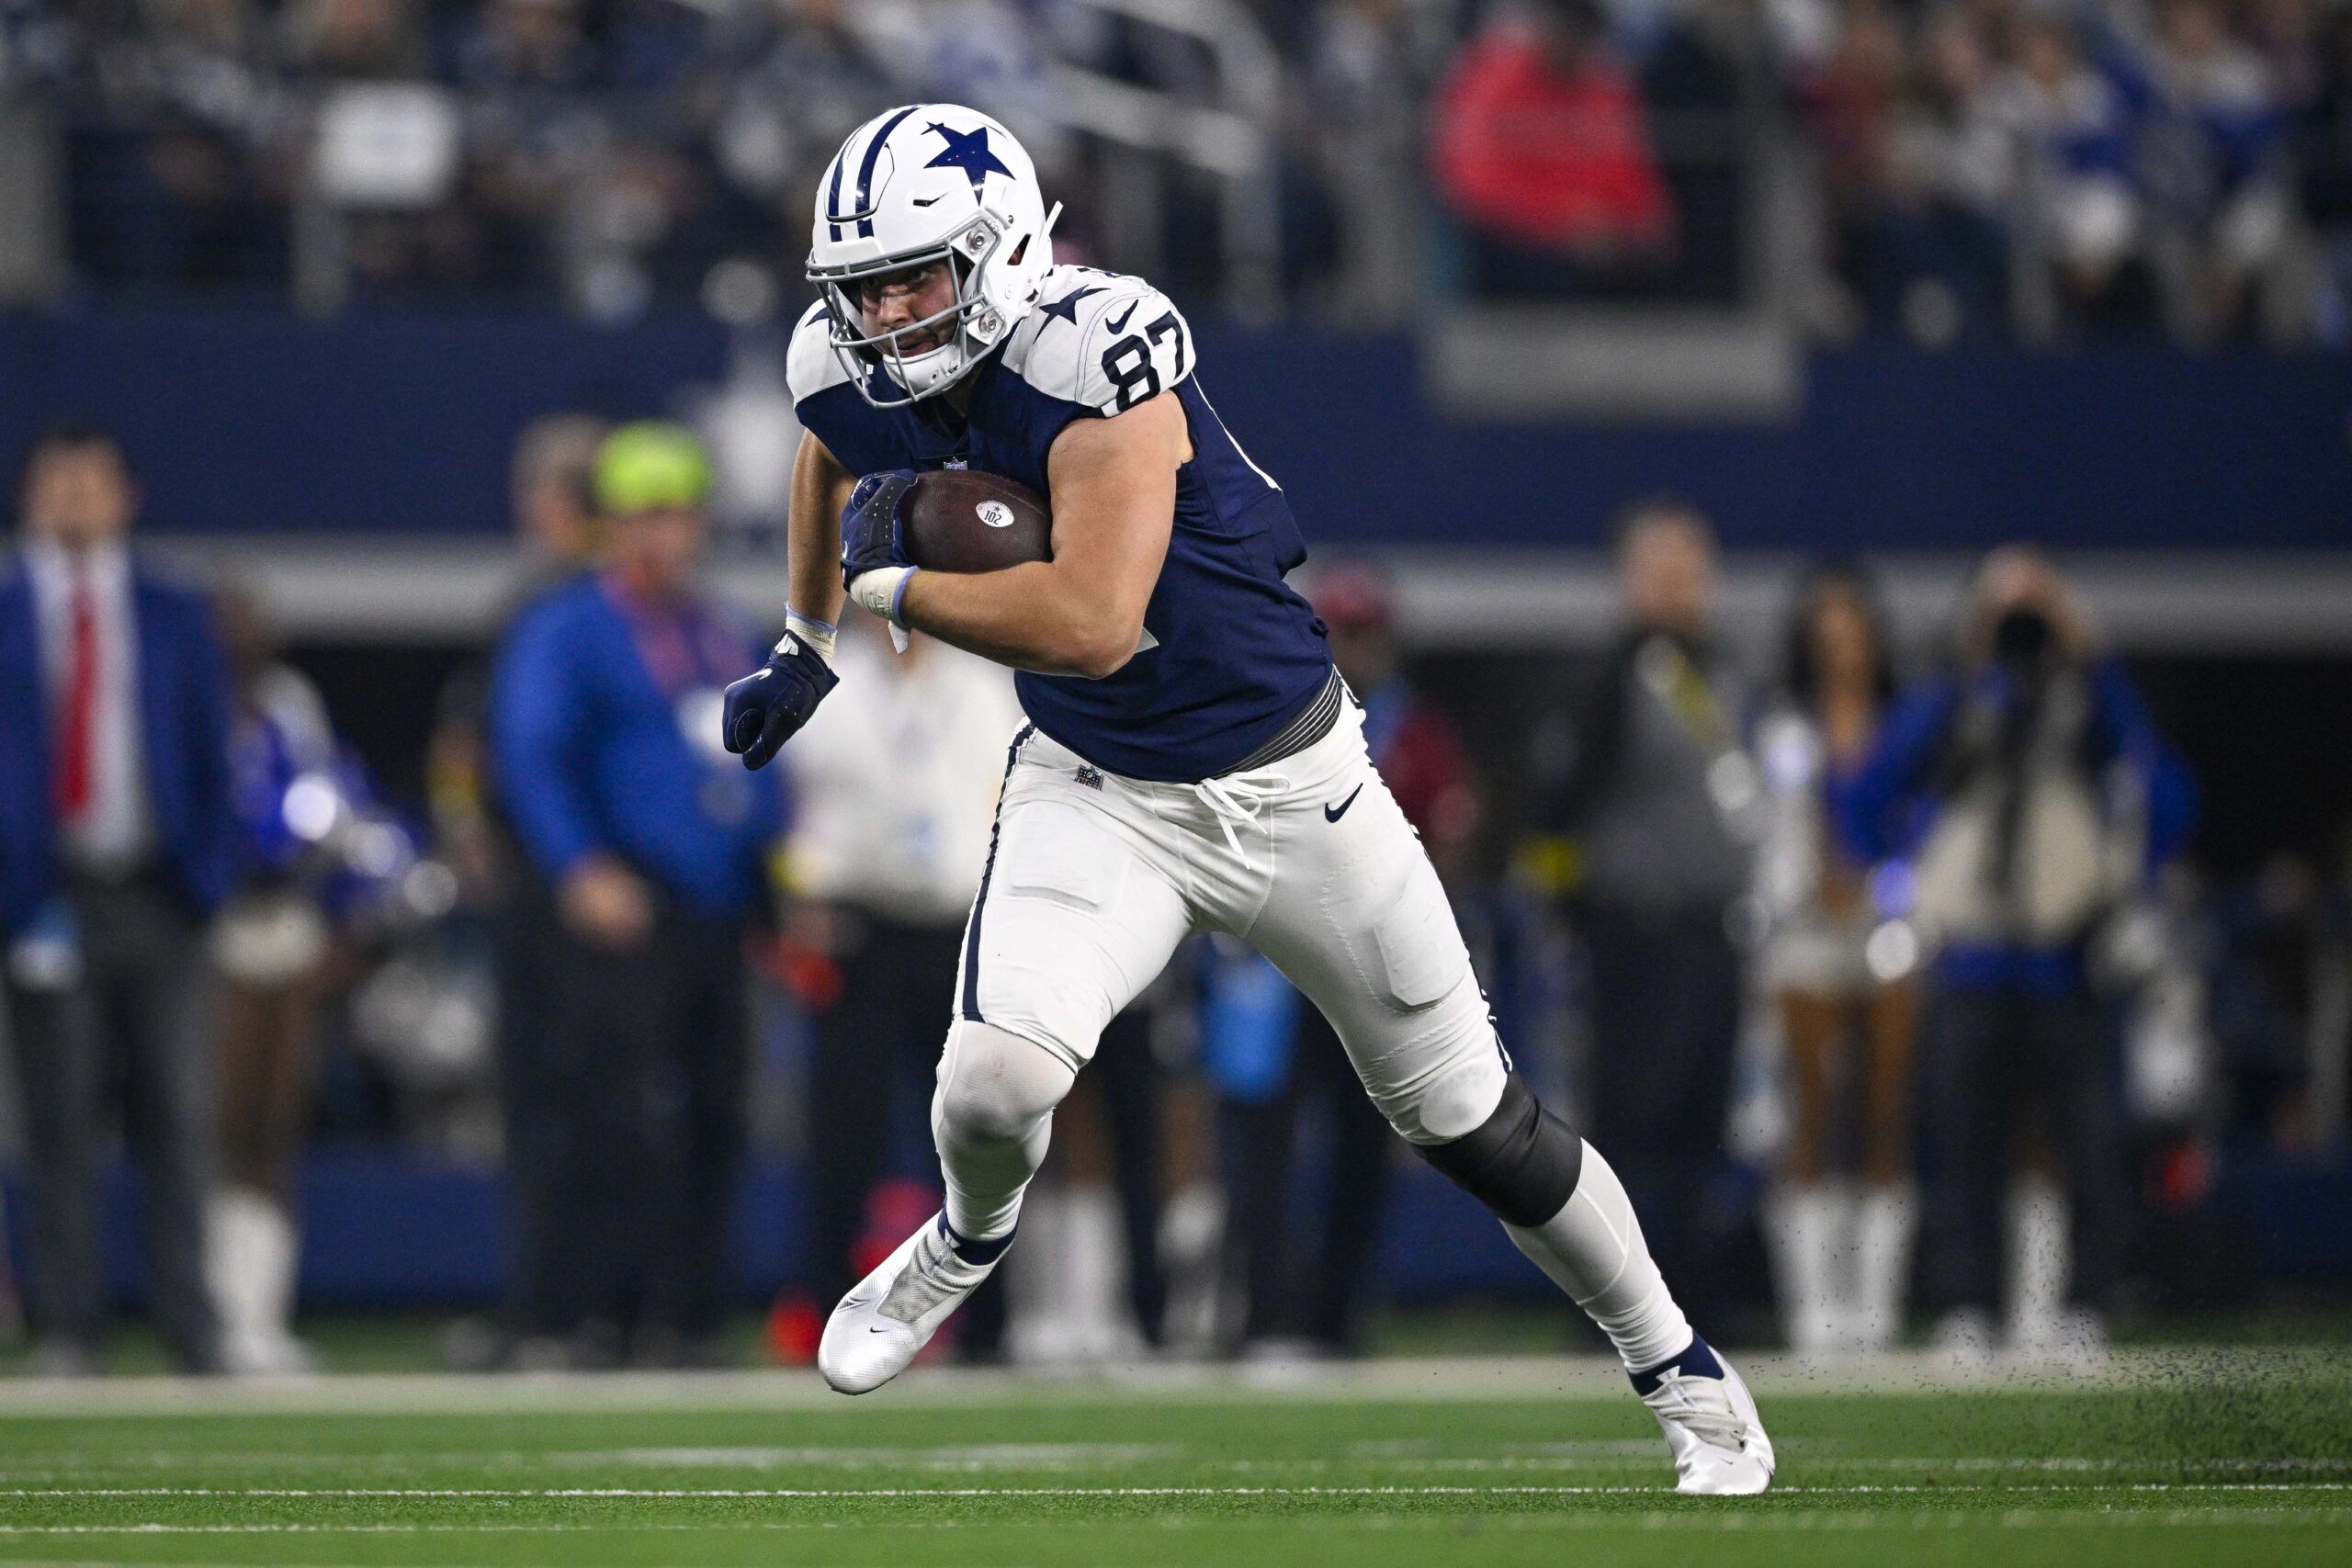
x: 968, y: 151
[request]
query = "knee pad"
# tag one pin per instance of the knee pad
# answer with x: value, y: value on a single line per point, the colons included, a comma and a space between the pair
x: 996, y: 1086
x: 1522, y: 1162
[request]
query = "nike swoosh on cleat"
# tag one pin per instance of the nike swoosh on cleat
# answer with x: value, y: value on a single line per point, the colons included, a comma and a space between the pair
x: 1333, y: 813
x: 926, y: 200
x: 1120, y: 324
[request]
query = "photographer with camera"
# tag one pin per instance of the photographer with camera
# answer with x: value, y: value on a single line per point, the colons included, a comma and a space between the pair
x: 2034, y: 795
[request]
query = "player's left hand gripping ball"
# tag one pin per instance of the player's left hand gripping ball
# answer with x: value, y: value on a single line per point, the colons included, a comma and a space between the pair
x: 767, y: 708
x: 875, y: 568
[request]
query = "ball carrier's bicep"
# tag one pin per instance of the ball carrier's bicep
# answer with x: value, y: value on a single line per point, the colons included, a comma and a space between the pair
x: 1114, y: 484
x: 821, y: 488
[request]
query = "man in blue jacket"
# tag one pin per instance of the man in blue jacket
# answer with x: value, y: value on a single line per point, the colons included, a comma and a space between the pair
x: 652, y: 843
x: 2034, y: 794
x: 116, y: 839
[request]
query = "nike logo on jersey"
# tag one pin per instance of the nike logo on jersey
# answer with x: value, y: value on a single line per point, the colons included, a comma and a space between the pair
x: 1333, y: 813
x: 1120, y: 325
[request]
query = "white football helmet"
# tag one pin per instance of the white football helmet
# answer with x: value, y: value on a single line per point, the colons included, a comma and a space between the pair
x: 930, y: 182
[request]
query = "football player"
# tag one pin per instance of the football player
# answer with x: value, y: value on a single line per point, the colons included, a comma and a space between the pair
x: 1192, y: 761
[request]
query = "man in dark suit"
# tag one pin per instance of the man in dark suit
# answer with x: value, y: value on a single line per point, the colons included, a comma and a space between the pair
x: 116, y: 837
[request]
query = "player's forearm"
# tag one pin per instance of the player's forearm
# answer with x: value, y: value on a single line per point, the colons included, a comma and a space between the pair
x: 1034, y: 617
x: 813, y: 537
x: 813, y: 570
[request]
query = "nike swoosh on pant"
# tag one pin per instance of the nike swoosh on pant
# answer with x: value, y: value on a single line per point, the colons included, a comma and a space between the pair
x: 1333, y: 813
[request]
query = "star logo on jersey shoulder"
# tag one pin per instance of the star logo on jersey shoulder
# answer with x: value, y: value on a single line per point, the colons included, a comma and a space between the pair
x: 968, y: 151
x: 1066, y: 306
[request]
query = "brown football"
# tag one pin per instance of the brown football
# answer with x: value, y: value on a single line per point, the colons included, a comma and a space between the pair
x: 961, y: 520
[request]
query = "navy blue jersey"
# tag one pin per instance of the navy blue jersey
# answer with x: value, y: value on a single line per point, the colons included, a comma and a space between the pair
x: 1230, y: 653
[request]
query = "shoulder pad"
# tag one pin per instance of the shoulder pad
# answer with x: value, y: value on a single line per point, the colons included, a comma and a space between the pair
x: 809, y: 364
x: 1103, y: 341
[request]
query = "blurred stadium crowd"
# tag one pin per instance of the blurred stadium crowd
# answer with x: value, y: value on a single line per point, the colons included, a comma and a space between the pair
x: 2050, y: 170
x: 1878, y: 968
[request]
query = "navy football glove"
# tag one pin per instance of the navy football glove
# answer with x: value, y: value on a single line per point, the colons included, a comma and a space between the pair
x: 766, y: 709
x: 875, y: 568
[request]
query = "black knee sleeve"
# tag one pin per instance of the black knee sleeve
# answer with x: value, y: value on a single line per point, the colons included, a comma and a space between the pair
x: 1522, y: 1162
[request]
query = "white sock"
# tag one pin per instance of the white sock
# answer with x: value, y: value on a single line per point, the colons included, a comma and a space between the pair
x: 992, y: 1119
x: 1804, y: 1221
x: 2039, y: 1258
x: 250, y: 1258
x: 1883, y: 1262
x: 1593, y: 1249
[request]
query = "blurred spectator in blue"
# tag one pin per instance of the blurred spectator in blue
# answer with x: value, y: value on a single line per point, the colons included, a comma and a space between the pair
x: 1542, y: 148
x: 1710, y: 77
x: 2037, y: 794
x: 506, y: 46
x: 374, y: 148
x: 2323, y: 163
x: 796, y: 79
x: 654, y: 46
x: 322, y: 859
x: 194, y: 90
x: 1658, y: 803
x: 1839, y: 975
x: 653, y: 844
x: 1917, y: 169
x: 805, y: 79
x: 1362, y: 58
x: 356, y: 40
x: 558, y: 536
x: 987, y: 53
x: 2082, y: 195
x: 525, y: 68
x: 2216, y: 154
x: 1850, y: 96
x: 1281, y: 1071
x: 2270, y: 943
x: 117, y: 843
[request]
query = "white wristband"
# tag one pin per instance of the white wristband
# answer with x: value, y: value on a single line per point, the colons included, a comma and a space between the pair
x: 818, y: 635
x: 880, y: 591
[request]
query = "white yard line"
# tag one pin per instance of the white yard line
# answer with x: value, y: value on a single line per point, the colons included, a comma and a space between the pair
x: 762, y: 1494
x: 1402, y: 1379
x: 71, y: 1465
x: 1708, y: 1521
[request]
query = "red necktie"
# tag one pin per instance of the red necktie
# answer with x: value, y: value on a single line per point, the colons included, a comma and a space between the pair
x: 77, y: 724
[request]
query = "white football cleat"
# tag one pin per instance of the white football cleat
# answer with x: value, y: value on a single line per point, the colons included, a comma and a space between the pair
x: 1711, y: 1427
x: 879, y: 1328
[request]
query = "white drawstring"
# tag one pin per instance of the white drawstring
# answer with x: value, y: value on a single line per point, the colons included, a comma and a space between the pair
x: 1240, y: 798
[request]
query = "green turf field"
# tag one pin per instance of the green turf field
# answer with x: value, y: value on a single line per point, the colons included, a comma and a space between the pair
x: 2202, y: 1459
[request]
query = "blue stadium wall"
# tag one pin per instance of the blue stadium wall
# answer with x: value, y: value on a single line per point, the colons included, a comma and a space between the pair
x: 389, y: 1228
x: 400, y: 422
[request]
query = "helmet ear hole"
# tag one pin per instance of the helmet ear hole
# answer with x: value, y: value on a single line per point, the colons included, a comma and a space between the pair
x: 1018, y: 251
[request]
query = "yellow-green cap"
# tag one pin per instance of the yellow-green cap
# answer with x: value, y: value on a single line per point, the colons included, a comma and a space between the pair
x: 650, y: 466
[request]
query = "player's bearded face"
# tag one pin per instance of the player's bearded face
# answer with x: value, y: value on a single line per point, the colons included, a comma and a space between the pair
x: 897, y: 300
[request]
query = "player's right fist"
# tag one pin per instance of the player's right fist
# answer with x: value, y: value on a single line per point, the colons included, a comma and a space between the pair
x: 875, y: 568
x: 767, y: 708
